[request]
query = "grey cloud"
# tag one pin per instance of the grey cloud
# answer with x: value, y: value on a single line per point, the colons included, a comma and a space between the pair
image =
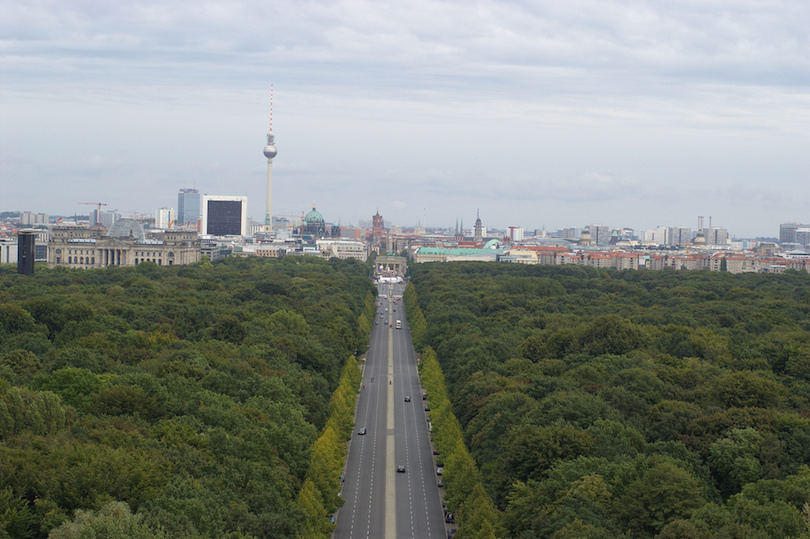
x: 508, y: 102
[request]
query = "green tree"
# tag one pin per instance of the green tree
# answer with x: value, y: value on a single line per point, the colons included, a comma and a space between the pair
x: 23, y: 363
x: 316, y: 519
x: 477, y: 518
x: 585, y: 507
x: 735, y: 459
x: 15, y: 319
x: 114, y: 521
x: 16, y: 517
x: 77, y: 387
x: 609, y: 334
x: 746, y: 388
x: 665, y: 492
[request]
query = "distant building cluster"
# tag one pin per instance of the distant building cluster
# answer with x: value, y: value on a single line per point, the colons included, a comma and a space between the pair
x: 664, y: 248
x: 214, y: 226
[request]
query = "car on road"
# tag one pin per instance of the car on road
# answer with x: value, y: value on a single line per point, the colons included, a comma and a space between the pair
x: 440, y: 483
x: 440, y: 470
x: 400, y: 468
x: 407, y: 398
x: 362, y: 431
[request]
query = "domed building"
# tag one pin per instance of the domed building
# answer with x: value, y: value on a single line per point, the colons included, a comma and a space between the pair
x: 585, y: 236
x: 124, y: 244
x: 127, y: 229
x: 313, y: 224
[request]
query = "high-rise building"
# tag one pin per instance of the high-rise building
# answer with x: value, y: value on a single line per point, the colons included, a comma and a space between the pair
x: 224, y: 215
x: 787, y: 232
x: 600, y: 234
x: 189, y: 207
x: 104, y: 218
x: 515, y: 233
x: 680, y: 235
x: 657, y: 236
x: 270, y: 152
x: 25, y: 252
x: 28, y: 218
x: 716, y: 235
x: 164, y: 218
x: 802, y: 237
x: 572, y: 233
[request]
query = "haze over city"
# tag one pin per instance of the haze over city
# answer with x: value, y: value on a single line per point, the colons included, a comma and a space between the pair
x: 542, y: 114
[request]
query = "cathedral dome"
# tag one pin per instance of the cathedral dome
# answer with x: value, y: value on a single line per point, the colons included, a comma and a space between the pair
x: 585, y: 236
x: 126, y: 228
x: 314, y: 217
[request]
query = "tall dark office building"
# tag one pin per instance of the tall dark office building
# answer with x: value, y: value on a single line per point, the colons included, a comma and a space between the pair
x: 25, y: 252
x: 224, y: 215
x: 188, y: 207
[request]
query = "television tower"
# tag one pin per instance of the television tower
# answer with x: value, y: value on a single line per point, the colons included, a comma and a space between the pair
x: 270, y: 152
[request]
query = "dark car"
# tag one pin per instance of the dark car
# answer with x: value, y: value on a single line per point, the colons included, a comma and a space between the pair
x: 400, y: 468
x: 362, y: 431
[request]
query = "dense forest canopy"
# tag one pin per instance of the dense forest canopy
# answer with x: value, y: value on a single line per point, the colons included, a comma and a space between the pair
x: 170, y: 401
x: 641, y: 404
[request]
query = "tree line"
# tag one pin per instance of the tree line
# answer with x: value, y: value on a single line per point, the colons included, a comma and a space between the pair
x: 185, y: 401
x: 599, y: 403
x: 465, y: 497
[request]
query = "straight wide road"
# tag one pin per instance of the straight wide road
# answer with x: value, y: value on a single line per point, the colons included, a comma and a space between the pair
x: 381, y: 502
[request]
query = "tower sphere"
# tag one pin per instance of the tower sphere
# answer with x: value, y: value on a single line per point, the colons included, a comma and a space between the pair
x: 270, y: 151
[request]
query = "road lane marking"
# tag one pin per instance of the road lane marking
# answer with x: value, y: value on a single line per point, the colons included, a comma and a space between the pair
x: 390, y: 447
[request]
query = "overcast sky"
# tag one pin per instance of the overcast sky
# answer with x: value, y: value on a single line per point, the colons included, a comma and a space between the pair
x: 543, y: 113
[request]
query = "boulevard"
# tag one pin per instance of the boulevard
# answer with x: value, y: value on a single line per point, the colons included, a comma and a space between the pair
x: 380, y: 500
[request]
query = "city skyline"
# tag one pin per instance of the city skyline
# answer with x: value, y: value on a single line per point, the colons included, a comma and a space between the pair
x: 544, y: 115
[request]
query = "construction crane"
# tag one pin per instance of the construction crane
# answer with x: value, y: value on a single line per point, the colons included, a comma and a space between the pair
x: 98, y: 212
x: 295, y: 221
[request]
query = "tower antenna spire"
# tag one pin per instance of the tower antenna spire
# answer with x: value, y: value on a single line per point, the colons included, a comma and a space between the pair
x: 270, y: 132
x: 270, y: 152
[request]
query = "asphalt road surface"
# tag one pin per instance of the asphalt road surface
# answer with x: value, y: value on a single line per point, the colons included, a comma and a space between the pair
x: 380, y: 501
